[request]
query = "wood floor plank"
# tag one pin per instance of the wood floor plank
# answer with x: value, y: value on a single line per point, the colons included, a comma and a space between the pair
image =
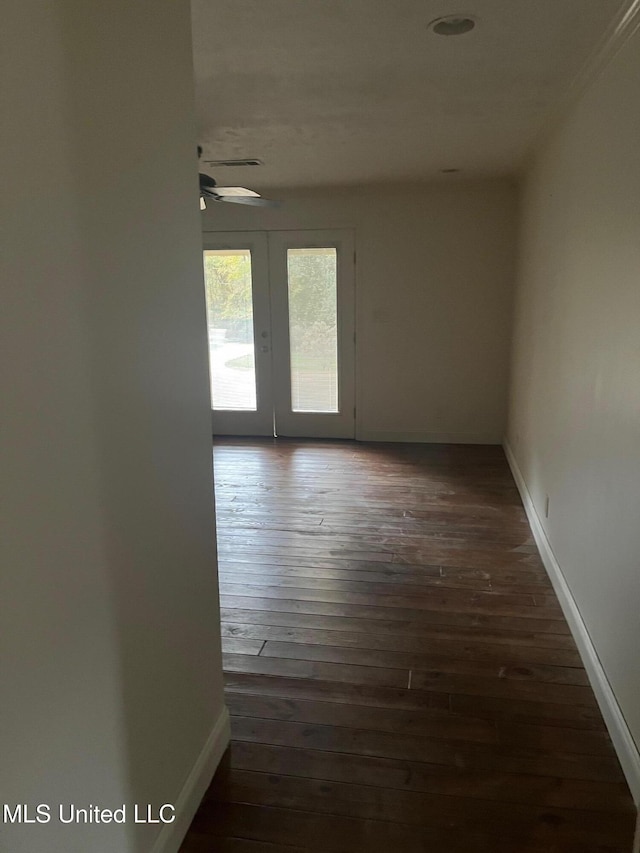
x: 430, y: 613
x: 407, y: 578
x: 398, y: 542
x: 241, y: 645
x: 410, y: 530
x: 428, y: 722
x: 362, y: 586
x: 398, y: 670
x: 425, y: 658
x: 530, y: 790
x: 403, y: 628
x: 524, y: 711
x: 459, y: 557
x: 385, y: 572
x: 497, y: 710
x: 203, y: 844
x: 443, y: 600
x: 385, y: 677
x: 340, y: 834
x: 472, y: 756
x: 539, y: 691
x: 524, y: 570
x: 418, y: 808
x: 460, y: 648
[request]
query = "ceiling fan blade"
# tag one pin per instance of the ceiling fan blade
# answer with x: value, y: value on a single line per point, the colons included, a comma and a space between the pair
x: 236, y: 191
x: 256, y: 201
x: 237, y: 195
x: 210, y: 195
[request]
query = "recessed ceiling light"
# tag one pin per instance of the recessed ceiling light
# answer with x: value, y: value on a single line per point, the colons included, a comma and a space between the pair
x: 452, y: 25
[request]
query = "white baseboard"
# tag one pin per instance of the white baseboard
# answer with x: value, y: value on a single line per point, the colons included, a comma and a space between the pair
x: 427, y: 437
x: 194, y: 789
x: 623, y: 742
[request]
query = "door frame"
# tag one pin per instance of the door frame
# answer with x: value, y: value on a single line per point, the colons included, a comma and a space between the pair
x: 274, y: 412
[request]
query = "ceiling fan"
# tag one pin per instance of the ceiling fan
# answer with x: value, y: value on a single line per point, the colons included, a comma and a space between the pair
x: 210, y: 191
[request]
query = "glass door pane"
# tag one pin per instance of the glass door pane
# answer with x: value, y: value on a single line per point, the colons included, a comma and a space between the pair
x: 312, y: 289
x: 228, y: 287
x: 236, y: 277
x: 313, y: 329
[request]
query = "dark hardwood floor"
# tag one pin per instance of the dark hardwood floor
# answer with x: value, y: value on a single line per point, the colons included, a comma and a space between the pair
x: 399, y: 672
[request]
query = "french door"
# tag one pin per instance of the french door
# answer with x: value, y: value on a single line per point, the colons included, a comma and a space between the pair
x: 280, y: 313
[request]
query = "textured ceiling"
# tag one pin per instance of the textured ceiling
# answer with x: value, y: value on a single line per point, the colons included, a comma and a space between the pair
x: 330, y: 92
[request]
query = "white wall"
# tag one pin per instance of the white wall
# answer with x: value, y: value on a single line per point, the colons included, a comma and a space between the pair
x: 575, y: 391
x: 111, y: 679
x: 434, y: 279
